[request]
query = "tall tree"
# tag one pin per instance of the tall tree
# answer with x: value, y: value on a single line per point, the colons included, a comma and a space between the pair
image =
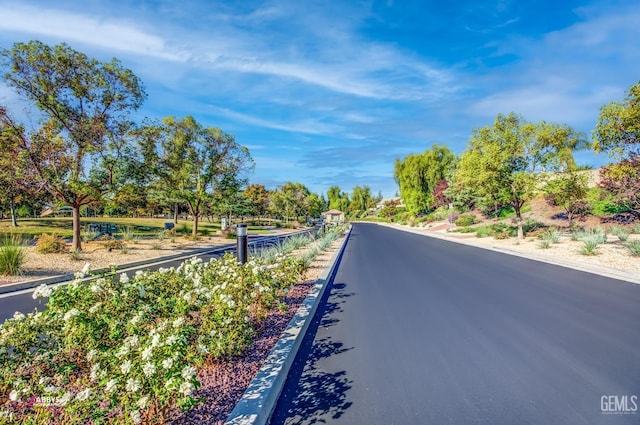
x: 81, y: 100
x: 618, y: 128
x: 258, y: 197
x: 501, y: 160
x: 618, y: 132
x: 360, y: 198
x: 334, y: 195
x: 417, y: 176
x: 192, y: 162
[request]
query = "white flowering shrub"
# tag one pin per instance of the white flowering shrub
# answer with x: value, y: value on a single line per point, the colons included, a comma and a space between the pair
x: 126, y: 349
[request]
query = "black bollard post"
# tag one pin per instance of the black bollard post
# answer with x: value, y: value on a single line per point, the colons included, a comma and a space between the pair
x: 243, y: 243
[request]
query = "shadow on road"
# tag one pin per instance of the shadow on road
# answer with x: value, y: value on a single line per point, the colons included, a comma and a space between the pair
x: 313, y: 395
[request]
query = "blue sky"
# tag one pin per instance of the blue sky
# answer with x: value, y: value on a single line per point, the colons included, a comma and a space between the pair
x: 332, y: 92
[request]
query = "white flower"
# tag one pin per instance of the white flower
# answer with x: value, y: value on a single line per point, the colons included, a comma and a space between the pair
x: 148, y: 369
x: 155, y: 340
x: 95, y: 307
x: 135, y: 319
x: 170, y: 384
x: 42, y: 291
x: 123, y: 351
x: 141, y: 291
x: 178, y: 322
x: 51, y: 389
x: 124, y: 278
x: 126, y: 367
x: 187, y: 297
x: 84, y: 394
x: 147, y: 353
x: 18, y: 316
x: 95, y: 372
x: 69, y: 314
x: 188, y: 372
x: 14, y: 395
x: 203, y: 349
x: 143, y: 402
x: 132, y: 341
x: 66, y: 398
x: 186, y: 388
x: 139, y: 273
x: 87, y: 268
x: 43, y: 380
x: 133, y: 385
x: 167, y: 363
x: 172, y: 339
x: 136, y: 417
x: 95, y: 287
x: 111, y: 386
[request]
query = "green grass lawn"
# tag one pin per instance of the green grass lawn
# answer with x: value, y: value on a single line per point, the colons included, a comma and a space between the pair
x: 141, y: 226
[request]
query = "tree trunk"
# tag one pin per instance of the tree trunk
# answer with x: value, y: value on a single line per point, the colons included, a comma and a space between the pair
x: 77, y: 243
x: 175, y: 213
x: 519, y: 222
x: 194, y: 231
x: 14, y: 219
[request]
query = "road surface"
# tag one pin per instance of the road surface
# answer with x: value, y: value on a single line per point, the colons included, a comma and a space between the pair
x: 418, y: 330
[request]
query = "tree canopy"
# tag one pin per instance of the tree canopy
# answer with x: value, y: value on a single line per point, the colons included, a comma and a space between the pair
x: 81, y: 101
x: 618, y: 127
x: 418, y: 175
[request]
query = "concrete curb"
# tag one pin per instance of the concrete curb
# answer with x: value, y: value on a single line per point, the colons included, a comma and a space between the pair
x: 597, y: 269
x: 259, y: 400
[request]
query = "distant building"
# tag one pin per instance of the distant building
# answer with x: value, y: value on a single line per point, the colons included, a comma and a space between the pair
x: 333, y: 216
x: 380, y: 204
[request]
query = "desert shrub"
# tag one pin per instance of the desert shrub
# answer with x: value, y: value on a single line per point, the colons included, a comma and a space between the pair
x: 483, y: 232
x: 76, y: 255
x: 590, y: 245
x: 110, y: 243
x: 598, y: 234
x: 12, y: 255
x: 620, y: 232
x: 50, y: 244
x: 89, y: 234
x: 465, y: 220
x: 552, y: 235
x: 634, y: 248
x: 544, y: 243
x: 128, y: 233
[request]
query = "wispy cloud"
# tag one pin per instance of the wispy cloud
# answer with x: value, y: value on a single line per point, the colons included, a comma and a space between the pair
x: 68, y: 26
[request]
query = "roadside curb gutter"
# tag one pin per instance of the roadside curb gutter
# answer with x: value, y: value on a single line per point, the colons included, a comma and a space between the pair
x: 259, y: 400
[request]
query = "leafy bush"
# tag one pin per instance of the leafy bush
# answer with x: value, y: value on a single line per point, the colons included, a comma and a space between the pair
x: 465, y: 220
x: 634, y: 248
x: 125, y: 349
x: 12, y: 255
x: 50, y: 244
x: 110, y: 243
x: 483, y: 232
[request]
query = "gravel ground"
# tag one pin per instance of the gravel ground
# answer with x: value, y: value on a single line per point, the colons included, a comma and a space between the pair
x: 613, y: 254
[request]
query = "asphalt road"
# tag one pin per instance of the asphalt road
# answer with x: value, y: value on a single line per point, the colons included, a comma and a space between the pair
x: 418, y: 330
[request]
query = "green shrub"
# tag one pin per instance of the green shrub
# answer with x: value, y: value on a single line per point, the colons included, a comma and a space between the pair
x: 620, y: 232
x: 465, y: 220
x: 590, y: 245
x: 12, y: 255
x: 552, y: 235
x: 110, y: 243
x: 483, y: 232
x: 89, y: 235
x: 634, y: 248
x: 544, y: 243
x: 50, y: 244
x: 128, y: 233
x: 636, y: 229
x: 76, y: 255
